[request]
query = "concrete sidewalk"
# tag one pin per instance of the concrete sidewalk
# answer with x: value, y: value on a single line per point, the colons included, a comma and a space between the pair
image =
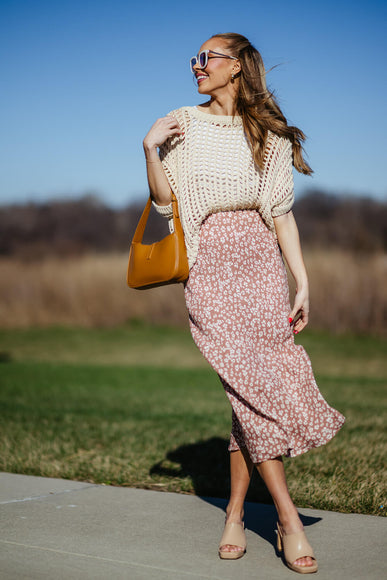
x: 58, y: 529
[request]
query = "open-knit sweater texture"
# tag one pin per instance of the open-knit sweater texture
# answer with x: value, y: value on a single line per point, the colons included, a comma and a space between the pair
x: 210, y: 168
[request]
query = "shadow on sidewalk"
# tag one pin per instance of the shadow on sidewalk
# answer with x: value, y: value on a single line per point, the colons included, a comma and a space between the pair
x: 207, y: 464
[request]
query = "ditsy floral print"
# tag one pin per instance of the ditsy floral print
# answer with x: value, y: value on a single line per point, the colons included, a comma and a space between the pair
x: 238, y: 303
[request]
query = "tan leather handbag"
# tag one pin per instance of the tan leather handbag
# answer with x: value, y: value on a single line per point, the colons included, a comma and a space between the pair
x: 160, y: 263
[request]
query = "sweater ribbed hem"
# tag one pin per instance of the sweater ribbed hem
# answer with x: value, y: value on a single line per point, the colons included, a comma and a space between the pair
x: 164, y: 210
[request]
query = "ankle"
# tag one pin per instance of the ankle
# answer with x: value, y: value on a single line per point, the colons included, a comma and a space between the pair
x: 234, y: 514
x: 290, y: 522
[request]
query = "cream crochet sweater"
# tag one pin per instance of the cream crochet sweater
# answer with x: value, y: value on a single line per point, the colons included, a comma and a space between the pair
x: 211, y: 169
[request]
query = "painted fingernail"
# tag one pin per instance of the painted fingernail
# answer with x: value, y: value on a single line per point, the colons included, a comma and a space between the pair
x: 295, y: 331
x: 290, y: 319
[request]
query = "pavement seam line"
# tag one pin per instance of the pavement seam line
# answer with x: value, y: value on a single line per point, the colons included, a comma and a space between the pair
x: 126, y: 562
x: 50, y: 494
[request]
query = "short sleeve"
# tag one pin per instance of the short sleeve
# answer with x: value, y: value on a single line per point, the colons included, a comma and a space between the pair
x: 282, y: 197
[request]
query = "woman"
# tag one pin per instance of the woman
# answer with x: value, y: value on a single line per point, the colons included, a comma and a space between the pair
x: 229, y: 163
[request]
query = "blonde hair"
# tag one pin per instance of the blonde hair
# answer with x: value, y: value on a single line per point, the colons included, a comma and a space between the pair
x: 257, y: 105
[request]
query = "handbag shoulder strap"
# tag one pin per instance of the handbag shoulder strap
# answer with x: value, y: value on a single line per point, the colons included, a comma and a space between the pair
x: 139, y: 233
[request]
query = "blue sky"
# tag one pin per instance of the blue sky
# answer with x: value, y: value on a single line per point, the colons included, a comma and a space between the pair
x: 82, y: 82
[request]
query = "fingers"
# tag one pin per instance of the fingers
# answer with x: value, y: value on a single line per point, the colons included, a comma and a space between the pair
x: 161, y: 130
x: 299, y: 316
x: 168, y: 125
x: 299, y: 322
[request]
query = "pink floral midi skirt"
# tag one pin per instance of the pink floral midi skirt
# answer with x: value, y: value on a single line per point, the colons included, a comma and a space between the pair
x: 238, y: 302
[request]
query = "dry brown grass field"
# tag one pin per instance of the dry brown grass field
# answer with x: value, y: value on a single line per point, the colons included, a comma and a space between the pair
x: 348, y: 293
x: 86, y: 396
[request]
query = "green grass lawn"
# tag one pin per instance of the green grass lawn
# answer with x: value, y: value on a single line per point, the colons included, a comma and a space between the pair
x: 137, y: 406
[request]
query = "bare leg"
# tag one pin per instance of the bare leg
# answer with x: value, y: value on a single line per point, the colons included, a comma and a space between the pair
x: 273, y: 474
x: 241, y: 468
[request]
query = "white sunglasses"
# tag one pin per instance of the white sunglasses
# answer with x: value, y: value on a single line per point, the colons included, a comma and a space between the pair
x: 201, y: 60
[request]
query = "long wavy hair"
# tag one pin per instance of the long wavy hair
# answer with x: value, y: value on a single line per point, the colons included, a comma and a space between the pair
x: 257, y: 105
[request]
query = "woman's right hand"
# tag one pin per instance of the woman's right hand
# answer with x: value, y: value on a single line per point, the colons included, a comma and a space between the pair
x: 161, y: 130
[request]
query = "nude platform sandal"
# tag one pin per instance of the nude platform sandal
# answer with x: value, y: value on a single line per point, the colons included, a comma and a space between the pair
x: 295, y: 546
x: 233, y: 535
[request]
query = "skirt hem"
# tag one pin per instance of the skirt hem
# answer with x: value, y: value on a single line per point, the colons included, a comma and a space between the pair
x: 289, y: 452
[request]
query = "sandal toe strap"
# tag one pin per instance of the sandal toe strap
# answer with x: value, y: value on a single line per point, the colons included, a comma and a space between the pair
x: 297, y: 546
x: 233, y: 535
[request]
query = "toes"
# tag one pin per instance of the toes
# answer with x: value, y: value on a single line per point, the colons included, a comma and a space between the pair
x: 307, y: 561
x: 230, y: 548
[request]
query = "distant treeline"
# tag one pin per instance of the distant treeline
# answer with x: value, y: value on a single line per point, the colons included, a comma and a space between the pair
x: 345, y: 223
x: 65, y: 228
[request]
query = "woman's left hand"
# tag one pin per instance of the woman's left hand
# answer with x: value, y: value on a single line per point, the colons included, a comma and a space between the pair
x: 300, y: 313
x: 289, y: 241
